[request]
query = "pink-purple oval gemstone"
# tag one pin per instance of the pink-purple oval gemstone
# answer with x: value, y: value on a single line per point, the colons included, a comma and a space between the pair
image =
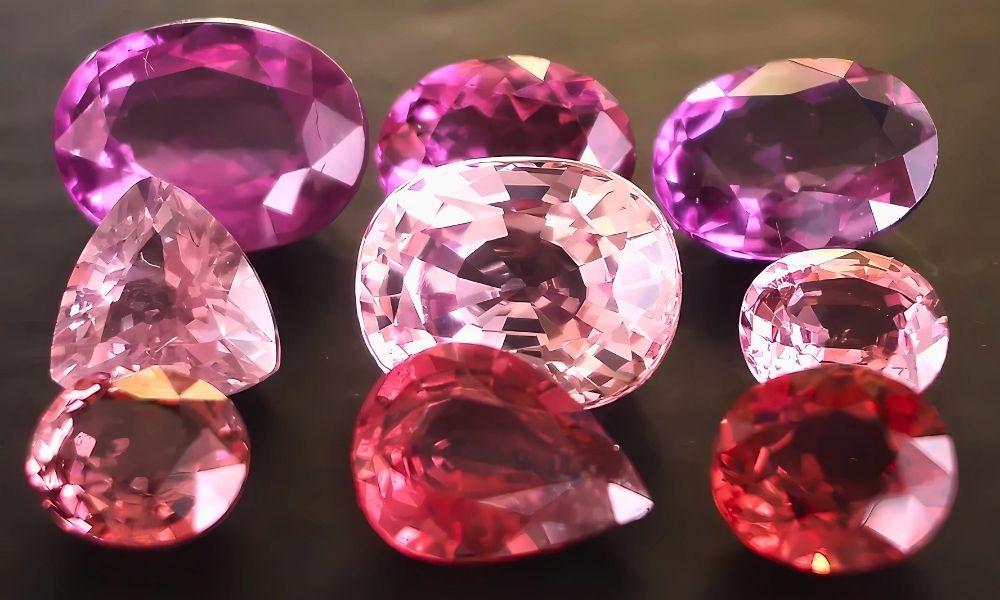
x: 263, y: 128
x: 508, y: 106
x: 794, y: 155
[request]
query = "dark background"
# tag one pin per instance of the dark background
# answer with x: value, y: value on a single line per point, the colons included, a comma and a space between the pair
x: 297, y: 533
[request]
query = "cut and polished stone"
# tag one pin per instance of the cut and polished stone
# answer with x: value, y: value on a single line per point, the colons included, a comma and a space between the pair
x: 834, y: 470
x: 508, y: 106
x: 162, y: 283
x: 843, y: 306
x: 794, y: 155
x: 263, y: 128
x: 569, y: 265
x: 468, y: 454
x: 151, y: 460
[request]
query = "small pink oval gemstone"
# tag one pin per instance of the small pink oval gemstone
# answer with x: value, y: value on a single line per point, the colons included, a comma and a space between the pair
x: 843, y: 306
x: 508, y: 106
x: 151, y: 460
x: 263, y: 128
x: 794, y: 155
x: 467, y: 454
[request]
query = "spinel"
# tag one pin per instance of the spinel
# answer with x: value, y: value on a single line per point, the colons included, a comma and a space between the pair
x: 262, y: 127
x: 161, y: 283
x: 569, y: 265
x: 834, y: 470
x: 509, y: 106
x: 843, y: 306
x: 466, y: 454
x: 151, y: 460
x: 794, y: 155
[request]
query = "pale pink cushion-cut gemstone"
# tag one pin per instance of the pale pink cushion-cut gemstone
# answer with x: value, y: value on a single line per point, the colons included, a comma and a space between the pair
x: 163, y: 283
x: 151, y: 460
x: 567, y: 264
x: 843, y: 306
x: 506, y: 106
x: 266, y: 130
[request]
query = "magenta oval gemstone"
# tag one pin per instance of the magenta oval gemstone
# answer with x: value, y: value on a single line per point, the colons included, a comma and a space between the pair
x: 151, y: 460
x: 794, y: 155
x: 266, y: 130
x: 508, y: 106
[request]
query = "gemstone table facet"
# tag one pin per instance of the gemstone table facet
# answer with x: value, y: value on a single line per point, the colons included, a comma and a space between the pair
x: 794, y: 155
x: 569, y: 265
x: 468, y: 454
x: 151, y: 460
x: 508, y: 106
x: 263, y: 128
x: 162, y: 283
x: 834, y: 470
x: 843, y: 306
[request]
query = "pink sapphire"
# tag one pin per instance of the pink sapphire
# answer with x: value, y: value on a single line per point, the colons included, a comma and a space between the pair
x: 162, y: 283
x: 154, y: 459
x: 843, y: 306
x: 464, y: 453
x: 834, y: 470
x: 263, y: 128
x: 569, y: 265
x: 509, y: 106
x: 794, y: 155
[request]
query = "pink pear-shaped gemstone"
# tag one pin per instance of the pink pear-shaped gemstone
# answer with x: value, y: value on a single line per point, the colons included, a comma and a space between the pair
x: 162, y: 283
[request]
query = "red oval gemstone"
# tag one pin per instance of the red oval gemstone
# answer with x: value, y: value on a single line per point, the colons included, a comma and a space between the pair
x: 838, y: 469
x: 464, y: 453
x: 151, y: 460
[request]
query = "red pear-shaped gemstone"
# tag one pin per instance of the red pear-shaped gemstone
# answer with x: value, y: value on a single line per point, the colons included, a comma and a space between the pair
x: 162, y: 283
x: 464, y: 453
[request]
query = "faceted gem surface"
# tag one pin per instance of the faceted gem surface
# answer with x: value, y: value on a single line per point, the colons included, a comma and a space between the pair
x: 570, y: 266
x: 794, y: 155
x: 262, y: 127
x: 834, y: 470
x: 843, y: 306
x: 465, y: 453
x: 163, y: 283
x: 509, y: 106
x: 151, y: 460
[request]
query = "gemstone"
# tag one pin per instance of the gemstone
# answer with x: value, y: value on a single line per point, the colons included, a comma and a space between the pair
x: 151, y: 460
x: 569, y: 265
x: 838, y: 469
x: 468, y: 454
x: 161, y: 282
x: 843, y: 306
x: 263, y: 128
x: 509, y: 106
x: 794, y: 155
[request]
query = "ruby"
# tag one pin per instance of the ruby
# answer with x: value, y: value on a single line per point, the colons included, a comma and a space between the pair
x: 569, y: 265
x: 794, y: 155
x: 838, y: 469
x: 263, y: 128
x: 508, y: 106
x: 467, y: 454
x: 162, y: 283
x: 151, y: 460
x: 843, y: 306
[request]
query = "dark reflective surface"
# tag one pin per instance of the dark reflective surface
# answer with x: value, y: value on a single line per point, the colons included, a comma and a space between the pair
x: 297, y: 533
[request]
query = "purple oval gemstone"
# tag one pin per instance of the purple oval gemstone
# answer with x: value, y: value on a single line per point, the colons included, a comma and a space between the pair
x: 508, y: 106
x: 795, y: 155
x: 264, y: 129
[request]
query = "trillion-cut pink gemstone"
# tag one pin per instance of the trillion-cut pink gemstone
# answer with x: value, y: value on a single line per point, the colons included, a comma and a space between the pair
x: 263, y: 128
x: 464, y: 453
x: 151, y: 460
x: 508, y: 106
x: 843, y: 306
x: 162, y: 283
x: 794, y: 155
